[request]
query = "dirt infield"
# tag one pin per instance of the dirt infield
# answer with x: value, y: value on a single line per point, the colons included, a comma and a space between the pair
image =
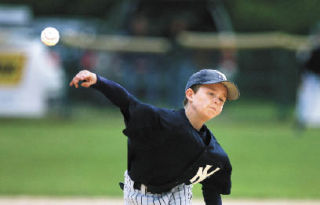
x: 25, y: 200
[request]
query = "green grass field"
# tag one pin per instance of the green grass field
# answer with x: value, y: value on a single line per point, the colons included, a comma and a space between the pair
x: 86, y: 155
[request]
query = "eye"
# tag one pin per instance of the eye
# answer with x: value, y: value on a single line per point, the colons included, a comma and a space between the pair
x: 222, y: 100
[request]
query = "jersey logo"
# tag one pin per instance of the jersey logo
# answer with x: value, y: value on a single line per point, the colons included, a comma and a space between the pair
x: 202, y: 174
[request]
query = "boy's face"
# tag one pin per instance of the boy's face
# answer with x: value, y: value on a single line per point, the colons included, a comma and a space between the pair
x: 208, y: 101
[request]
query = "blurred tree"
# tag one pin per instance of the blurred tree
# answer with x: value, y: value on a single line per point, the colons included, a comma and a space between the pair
x: 95, y: 8
x: 292, y: 16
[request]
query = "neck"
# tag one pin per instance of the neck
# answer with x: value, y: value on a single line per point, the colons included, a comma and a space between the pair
x: 195, y: 120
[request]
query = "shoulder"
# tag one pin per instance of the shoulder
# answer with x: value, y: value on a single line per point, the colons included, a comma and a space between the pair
x: 172, y: 118
x: 144, y: 114
x: 149, y: 113
x: 214, y: 151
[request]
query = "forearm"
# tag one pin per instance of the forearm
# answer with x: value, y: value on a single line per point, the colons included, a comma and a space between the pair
x: 218, y: 184
x: 213, y: 199
x: 211, y: 196
x: 117, y: 94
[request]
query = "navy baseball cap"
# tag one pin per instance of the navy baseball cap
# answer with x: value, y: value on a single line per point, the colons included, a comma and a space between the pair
x: 209, y: 76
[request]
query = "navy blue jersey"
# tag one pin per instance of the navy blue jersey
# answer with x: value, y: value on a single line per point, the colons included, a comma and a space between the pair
x: 164, y: 150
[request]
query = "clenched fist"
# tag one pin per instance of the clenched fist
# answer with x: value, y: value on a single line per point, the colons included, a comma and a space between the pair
x: 88, y: 77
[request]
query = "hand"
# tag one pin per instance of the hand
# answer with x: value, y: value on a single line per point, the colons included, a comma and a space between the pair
x: 88, y: 77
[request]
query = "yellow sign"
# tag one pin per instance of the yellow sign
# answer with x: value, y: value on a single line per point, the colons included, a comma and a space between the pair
x: 11, y: 68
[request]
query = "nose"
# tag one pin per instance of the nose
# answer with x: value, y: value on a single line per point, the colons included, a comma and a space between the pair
x: 216, y: 100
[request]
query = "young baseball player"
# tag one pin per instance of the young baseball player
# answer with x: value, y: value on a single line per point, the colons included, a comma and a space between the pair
x: 170, y: 150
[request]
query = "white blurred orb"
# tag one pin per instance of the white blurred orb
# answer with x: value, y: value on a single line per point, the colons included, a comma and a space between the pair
x: 50, y: 36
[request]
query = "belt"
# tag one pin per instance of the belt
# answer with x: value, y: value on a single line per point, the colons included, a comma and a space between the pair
x: 151, y: 189
x: 143, y: 188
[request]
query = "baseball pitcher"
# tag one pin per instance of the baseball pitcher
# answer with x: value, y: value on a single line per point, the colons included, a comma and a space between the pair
x: 170, y: 150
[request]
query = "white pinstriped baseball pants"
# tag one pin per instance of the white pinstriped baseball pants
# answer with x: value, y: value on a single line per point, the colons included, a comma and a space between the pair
x: 179, y: 195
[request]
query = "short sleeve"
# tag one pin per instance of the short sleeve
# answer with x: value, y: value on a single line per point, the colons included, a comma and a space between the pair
x: 143, y: 124
x: 220, y: 182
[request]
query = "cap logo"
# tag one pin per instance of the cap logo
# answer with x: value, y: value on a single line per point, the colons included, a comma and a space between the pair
x: 221, y: 76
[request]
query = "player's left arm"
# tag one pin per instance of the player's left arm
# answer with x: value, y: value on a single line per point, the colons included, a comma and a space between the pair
x: 211, y: 195
x: 215, y: 185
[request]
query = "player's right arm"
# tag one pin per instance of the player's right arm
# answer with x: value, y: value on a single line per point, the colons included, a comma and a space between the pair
x: 117, y: 94
x: 141, y: 119
x: 88, y: 77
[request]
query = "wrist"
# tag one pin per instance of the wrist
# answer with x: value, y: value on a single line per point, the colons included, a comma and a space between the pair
x: 95, y: 78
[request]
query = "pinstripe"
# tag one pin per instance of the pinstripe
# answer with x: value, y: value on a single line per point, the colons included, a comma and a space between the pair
x: 158, y: 200
x: 136, y: 197
x: 174, y: 198
x: 166, y: 195
x: 131, y: 197
x: 147, y: 200
x: 181, y: 193
x: 128, y: 188
x: 132, y: 189
x: 190, y: 192
x: 184, y: 193
x: 128, y: 195
x: 169, y: 198
x: 162, y: 199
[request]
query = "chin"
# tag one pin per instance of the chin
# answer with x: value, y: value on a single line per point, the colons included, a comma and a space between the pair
x: 209, y: 116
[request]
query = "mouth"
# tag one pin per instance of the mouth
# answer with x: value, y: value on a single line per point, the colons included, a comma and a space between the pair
x: 213, y: 108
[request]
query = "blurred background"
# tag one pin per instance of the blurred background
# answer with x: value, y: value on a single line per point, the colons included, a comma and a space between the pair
x: 61, y: 141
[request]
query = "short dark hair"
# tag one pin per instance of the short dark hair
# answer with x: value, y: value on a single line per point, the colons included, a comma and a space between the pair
x: 195, y: 88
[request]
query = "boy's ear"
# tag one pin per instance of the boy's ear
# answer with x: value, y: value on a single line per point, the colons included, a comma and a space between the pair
x: 189, y: 94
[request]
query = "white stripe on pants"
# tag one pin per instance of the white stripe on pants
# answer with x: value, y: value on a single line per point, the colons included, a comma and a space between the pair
x: 179, y: 195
